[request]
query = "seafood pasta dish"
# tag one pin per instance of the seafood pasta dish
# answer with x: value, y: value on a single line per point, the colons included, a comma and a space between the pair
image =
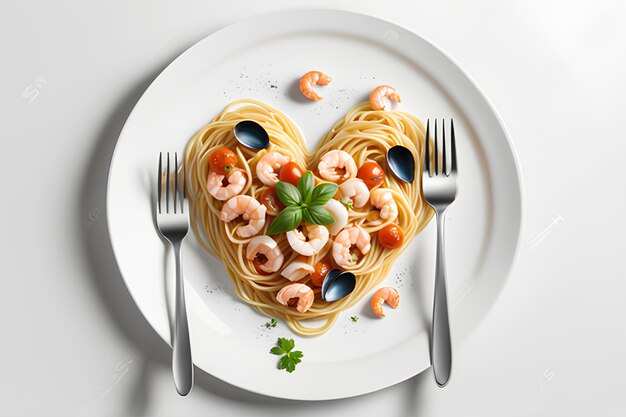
x: 280, y: 219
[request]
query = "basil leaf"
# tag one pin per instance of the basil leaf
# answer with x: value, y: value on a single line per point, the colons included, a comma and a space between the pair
x: 306, y: 216
x: 306, y: 183
x: 288, y: 194
x: 287, y: 220
x: 322, y: 193
x: 319, y: 215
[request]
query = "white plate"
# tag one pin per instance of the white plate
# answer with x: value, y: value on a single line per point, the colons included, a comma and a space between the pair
x: 263, y: 57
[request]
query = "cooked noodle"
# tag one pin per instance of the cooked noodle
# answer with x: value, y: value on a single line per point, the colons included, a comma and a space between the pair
x: 363, y: 133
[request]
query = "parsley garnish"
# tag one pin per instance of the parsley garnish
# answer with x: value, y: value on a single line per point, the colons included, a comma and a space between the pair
x: 290, y: 357
x: 303, y: 202
x: 354, y: 319
x: 271, y: 324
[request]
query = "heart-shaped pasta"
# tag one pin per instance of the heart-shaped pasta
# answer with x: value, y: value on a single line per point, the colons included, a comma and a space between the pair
x: 233, y: 227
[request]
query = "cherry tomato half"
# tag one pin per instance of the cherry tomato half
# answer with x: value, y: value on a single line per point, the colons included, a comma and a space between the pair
x: 290, y: 173
x: 222, y: 161
x: 321, y: 269
x: 391, y: 236
x: 270, y: 200
x: 371, y: 173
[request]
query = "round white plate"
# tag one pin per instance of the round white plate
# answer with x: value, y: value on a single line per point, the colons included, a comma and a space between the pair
x: 263, y: 57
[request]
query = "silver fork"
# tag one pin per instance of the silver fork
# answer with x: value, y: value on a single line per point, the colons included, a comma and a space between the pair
x: 172, y: 218
x: 439, y: 188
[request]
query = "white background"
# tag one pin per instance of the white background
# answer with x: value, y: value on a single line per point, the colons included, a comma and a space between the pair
x: 73, y: 342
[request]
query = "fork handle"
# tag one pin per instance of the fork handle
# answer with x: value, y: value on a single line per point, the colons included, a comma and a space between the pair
x: 182, y: 365
x: 441, y: 349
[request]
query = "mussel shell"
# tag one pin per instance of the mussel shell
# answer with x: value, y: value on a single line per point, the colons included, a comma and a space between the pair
x: 338, y: 285
x: 251, y: 134
x: 402, y: 163
x: 328, y: 279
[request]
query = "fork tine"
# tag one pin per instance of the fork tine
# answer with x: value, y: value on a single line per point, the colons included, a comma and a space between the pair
x: 176, y: 195
x: 444, y: 168
x: 436, y: 154
x: 184, y: 181
x: 183, y: 204
x: 167, y: 185
x: 427, y: 152
x: 182, y: 190
x: 160, y: 182
x: 452, y: 148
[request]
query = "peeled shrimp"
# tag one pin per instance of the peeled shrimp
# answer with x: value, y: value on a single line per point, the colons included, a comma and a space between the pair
x: 266, y: 246
x: 297, y: 269
x: 311, y: 78
x: 382, y: 199
x: 380, y: 93
x: 269, y: 165
x: 356, y: 191
x: 333, y: 163
x: 317, y: 236
x: 340, y: 216
x: 252, y: 211
x: 388, y: 294
x: 236, y: 183
x: 353, y: 235
x: 302, y: 292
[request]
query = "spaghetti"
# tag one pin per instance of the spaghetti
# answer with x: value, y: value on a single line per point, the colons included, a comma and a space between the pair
x: 363, y: 133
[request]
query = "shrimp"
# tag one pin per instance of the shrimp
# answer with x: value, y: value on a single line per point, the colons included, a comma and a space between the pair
x: 317, y: 236
x: 382, y: 199
x: 353, y: 235
x: 302, y: 292
x: 333, y: 163
x: 340, y: 216
x: 388, y: 294
x: 236, y: 183
x: 354, y: 190
x: 297, y: 269
x: 266, y: 246
x: 252, y: 211
x: 269, y: 165
x: 311, y: 78
x: 378, y: 95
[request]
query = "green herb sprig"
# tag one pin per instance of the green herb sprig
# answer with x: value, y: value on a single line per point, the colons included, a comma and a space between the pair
x: 290, y: 357
x: 303, y: 202
x: 271, y: 324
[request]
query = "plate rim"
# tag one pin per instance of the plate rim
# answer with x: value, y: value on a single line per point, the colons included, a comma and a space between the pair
x: 260, y: 16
